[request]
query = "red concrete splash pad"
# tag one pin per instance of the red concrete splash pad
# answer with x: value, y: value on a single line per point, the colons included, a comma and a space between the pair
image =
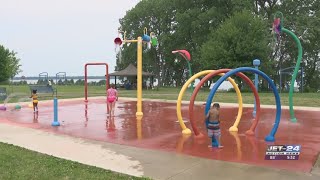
x: 159, y: 130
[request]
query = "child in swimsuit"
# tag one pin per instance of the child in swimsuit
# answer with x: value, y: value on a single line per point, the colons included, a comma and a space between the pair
x: 112, y: 96
x: 34, y: 97
x: 213, y: 125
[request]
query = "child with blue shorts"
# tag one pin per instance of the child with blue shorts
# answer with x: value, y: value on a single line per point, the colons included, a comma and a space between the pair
x: 213, y: 125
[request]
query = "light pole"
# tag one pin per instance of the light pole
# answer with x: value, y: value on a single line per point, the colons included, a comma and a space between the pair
x: 256, y: 64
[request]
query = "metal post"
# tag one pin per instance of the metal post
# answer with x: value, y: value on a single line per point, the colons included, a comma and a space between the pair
x: 107, y: 77
x: 190, y: 75
x: 85, y: 84
x: 294, y: 76
x: 55, y: 113
x: 139, y: 112
x: 302, y: 79
x: 256, y: 64
x: 280, y: 86
x: 86, y: 78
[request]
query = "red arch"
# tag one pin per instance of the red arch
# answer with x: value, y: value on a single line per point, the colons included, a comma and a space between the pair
x: 86, y: 77
x: 206, y: 78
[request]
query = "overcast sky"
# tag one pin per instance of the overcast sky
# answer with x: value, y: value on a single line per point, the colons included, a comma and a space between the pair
x: 62, y: 35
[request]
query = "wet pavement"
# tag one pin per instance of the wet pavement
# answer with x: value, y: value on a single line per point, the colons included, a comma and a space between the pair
x: 159, y: 130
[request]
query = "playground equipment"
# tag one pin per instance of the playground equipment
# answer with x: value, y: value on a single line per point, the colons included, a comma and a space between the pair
x: 256, y: 64
x: 278, y: 29
x: 9, y: 97
x: 17, y: 107
x: 55, y: 113
x: 185, y: 130
x: 145, y: 38
x: 44, y: 76
x: 86, y: 77
x: 61, y: 75
x: 270, y: 137
x: 186, y: 55
x: 288, y: 71
x: 3, y: 108
x: 233, y: 128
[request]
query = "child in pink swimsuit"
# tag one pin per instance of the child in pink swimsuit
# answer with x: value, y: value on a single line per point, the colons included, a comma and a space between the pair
x: 112, y: 96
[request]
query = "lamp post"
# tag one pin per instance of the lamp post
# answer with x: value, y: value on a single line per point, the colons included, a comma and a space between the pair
x: 256, y: 64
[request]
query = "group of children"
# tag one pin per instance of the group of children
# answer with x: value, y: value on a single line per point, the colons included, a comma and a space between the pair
x: 212, y: 120
x: 112, y: 97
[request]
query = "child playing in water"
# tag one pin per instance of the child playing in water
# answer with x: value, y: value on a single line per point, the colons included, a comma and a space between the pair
x: 34, y: 97
x: 112, y: 96
x: 213, y: 125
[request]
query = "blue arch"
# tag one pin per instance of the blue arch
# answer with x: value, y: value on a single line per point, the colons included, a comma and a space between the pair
x: 270, y: 137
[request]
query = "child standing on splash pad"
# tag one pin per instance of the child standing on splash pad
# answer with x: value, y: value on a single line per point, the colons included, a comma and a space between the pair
x: 112, y: 97
x: 34, y: 97
x: 213, y: 125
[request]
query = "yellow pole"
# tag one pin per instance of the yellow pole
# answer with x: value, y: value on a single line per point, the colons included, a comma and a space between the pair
x: 130, y: 41
x: 139, y: 128
x: 139, y: 112
x: 184, y: 128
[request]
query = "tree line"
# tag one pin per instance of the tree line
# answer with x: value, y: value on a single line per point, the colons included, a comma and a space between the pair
x: 62, y: 82
x: 223, y: 34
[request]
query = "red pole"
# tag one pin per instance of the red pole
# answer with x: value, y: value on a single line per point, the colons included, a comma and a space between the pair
x: 107, y: 84
x: 86, y: 78
x: 85, y: 83
x: 107, y: 77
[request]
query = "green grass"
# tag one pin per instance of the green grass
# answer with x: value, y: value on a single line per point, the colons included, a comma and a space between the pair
x: 19, y: 163
x: 65, y: 92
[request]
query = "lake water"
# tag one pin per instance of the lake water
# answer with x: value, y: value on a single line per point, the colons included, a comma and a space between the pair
x: 89, y: 80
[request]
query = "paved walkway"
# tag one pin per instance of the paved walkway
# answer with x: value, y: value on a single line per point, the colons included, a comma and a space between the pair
x: 141, y: 162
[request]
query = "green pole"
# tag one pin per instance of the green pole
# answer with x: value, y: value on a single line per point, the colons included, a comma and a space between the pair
x: 190, y: 75
x: 294, y: 76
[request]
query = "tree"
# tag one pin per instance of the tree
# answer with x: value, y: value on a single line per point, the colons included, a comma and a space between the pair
x: 302, y: 18
x: 239, y: 40
x: 222, y: 34
x: 9, y: 64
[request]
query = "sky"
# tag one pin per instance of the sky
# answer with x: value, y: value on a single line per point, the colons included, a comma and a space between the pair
x: 62, y: 35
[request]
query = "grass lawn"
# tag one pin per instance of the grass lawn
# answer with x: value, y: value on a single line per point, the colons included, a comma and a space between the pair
x: 64, y: 92
x: 19, y: 163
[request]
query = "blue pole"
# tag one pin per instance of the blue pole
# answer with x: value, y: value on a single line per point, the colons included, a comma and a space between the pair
x: 270, y: 137
x: 256, y: 64
x: 55, y: 113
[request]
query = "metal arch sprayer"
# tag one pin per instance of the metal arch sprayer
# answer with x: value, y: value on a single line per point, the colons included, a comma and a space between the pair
x: 278, y: 28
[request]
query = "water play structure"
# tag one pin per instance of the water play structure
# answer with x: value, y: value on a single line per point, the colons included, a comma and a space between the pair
x: 22, y: 98
x: 270, y: 137
x: 186, y: 55
x: 86, y: 77
x: 211, y: 73
x: 233, y: 128
x: 185, y: 130
x: 146, y: 39
x: 278, y: 28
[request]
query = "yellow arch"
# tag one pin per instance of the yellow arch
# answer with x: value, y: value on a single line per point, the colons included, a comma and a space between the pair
x: 186, y: 130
